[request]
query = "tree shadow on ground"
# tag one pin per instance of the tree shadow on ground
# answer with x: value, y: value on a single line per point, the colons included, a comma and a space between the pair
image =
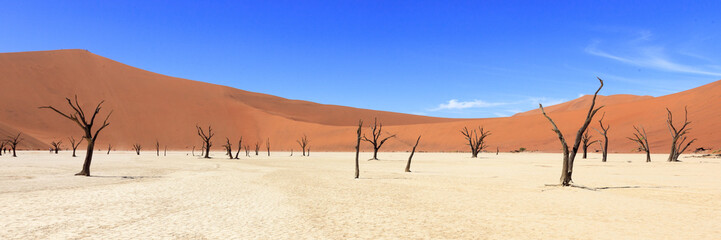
x: 606, y: 188
x: 125, y: 177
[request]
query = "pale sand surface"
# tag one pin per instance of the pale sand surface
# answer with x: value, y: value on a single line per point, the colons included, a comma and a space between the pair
x: 448, y: 196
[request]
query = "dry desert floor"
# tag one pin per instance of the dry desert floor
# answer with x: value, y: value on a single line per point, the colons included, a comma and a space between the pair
x: 447, y: 196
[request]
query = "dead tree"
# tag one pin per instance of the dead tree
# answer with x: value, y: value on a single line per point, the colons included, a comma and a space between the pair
x: 165, y: 151
x: 496, y: 150
x: 247, y: 150
x: 303, y: 142
x: 678, y: 147
x: 569, y: 157
x: 206, y: 139
x: 586, y: 139
x: 376, y: 140
x: 604, y: 133
x: 110, y: 147
x: 137, y: 148
x: 193, y: 151
x: 2, y: 147
x: 240, y: 146
x: 74, y: 144
x: 228, y: 148
x: 267, y: 146
x: 13, y: 141
x: 357, y: 148
x: 87, y: 125
x: 476, y: 139
x: 257, y: 148
x: 640, y: 138
x: 408, y: 165
x: 56, y: 145
x: 157, y: 148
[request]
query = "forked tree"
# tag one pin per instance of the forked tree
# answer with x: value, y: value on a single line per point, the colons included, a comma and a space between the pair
x: 228, y: 148
x: 157, y: 148
x: 639, y: 136
x: 678, y: 147
x: 267, y: 146
x: 476, y: 139
x: 570, y: 156
x: 408, y: 165
x: 56, y: 145
x: 303, y: 142
x: 240, y: 146
x: 206, y: 137
x: 14, y: 141
x: 604, y: 133
x: 75, y: 144
x: 357, y: 148
x: 586, y: 141
x: 137, y: 147
x: 376, y: 140
x: 87, y: 125
x: 110, y: 147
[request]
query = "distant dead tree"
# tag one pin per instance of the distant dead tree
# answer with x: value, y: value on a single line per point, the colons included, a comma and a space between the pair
x: 157, y: 148
x: 604, y: 133
x: 257, y: 148
x: 165, y: 152
x: 639, y: 136
x: 206, y: 139
x: 678, y: 147
x: 357, y: 148
x: 303, y: 142
x: 408, y: 165
x: 568, y: 158
x: 586, y: 140
x: 240, y: 146
x: 267, y: 146
x: 75, y: 144
x: 2, y: 147
x: 110, y: 147
x: 496, y: 150
x: 56, y: 145
x: 137, y: 148
x: 247, y: 150
x: 87, y: 125
x: 376, y: 139
x: 14, y: 141
x: 476, y: 139
x: 228, y: 148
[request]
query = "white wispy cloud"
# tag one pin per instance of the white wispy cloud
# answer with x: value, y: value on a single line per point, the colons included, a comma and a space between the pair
x: 454, y: 104
x: 650, y: 57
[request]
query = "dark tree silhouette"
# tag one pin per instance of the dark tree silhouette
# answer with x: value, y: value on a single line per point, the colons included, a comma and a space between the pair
x: 157, y: 148
x: 257, y: 148
x: 476, y: 139
x: 14, y: 141
x: 110, y: 147
x: 408, y: 165
x: 87, y: 125
x: 193, y: 151
x: 678, y: 147
x: 228, y: 148
x: 303, y: 142
x: 376, y: 140
x: 267, y: 146
x: 568, y: 158
x: 206, y: 139
x: 357, y: 148
x: 247, y: 150
x: 75, y: 144
x: 240, y: 146
x: 604, y: 133
x: 137, y: 148
x: 56, y: 145
x: 2, y: 147
x: 586, y: 140
x: 639, y: 136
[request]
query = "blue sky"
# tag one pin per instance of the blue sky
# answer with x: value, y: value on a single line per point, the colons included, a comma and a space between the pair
x: 466, y: 59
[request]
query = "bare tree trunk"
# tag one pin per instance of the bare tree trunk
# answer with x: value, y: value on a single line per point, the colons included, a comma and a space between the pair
x: 357, y: 149
x: 267, y: 145
x: 157, y: 148
x: 240, y: 146
x: 165, y: 152
x: 110, y: 147
x: 408, y: 165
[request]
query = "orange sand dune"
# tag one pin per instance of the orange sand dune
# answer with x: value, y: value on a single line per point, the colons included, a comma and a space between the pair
x: 148, y: 107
